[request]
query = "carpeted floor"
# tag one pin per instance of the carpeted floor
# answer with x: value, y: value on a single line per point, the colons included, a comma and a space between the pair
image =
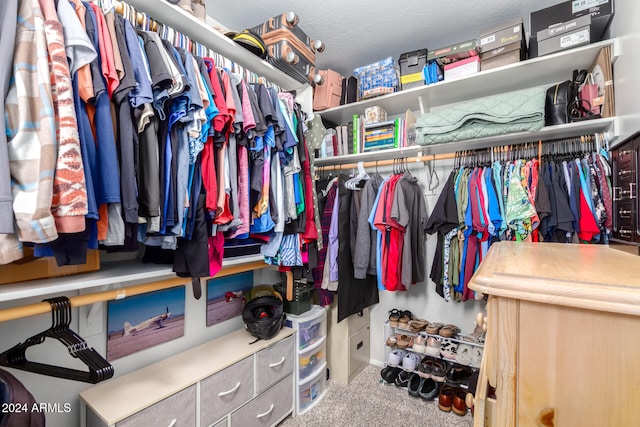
x: 367, y: 401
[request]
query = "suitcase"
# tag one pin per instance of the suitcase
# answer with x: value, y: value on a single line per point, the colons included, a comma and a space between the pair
x: 328, y: 90
x: 288, y: 20
x: 289, y: 48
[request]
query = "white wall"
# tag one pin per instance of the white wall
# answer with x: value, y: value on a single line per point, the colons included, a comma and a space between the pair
x: 626, y: 69
x: 53, y: 390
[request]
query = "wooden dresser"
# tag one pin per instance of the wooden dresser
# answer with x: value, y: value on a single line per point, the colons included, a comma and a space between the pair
x: 563, y: 337
x: 229, y: 381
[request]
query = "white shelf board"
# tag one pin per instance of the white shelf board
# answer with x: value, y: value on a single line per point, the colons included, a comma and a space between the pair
x: 196, y: 30
x: 546, y: 133
x: 534, y: 72
x: 109, y: 273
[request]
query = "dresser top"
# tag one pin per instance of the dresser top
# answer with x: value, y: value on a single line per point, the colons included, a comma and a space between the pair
x: 586, y: 276
x: 123, y: 396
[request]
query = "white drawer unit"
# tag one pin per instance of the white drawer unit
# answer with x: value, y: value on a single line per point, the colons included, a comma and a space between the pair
x: 227, y: 381
x: 310, y: 366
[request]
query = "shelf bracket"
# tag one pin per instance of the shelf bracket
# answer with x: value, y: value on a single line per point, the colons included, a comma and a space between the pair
x: 421, y: 103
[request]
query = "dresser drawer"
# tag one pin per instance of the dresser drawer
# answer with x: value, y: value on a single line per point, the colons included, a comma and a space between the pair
x: 274, y: 363
x: 226, y: 390
x: 358, y: 351
x: 268, y: 408
x: 178, y: 410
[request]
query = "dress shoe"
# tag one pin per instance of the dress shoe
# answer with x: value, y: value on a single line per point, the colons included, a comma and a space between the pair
x: 459, y: 401
x: 445, y: 398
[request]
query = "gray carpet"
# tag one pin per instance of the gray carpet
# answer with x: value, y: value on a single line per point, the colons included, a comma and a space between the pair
x: 369, y: 402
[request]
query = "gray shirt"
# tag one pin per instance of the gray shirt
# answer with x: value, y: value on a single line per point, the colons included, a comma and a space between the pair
x: 364, y: 256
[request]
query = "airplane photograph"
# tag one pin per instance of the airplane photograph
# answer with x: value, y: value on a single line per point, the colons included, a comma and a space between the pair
x: 226, y: 296
x: 138, y: 322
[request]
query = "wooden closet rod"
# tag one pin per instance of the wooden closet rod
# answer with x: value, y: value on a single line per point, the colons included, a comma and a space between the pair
x: 120, y: 293
x: 406, y: 160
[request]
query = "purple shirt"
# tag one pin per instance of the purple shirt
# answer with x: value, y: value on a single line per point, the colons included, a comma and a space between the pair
x: 333, y: 241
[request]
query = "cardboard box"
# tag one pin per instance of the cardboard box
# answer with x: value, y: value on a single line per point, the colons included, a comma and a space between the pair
x: 455, y: 52
x: 462, y: 68
x: 503, y: 35
x: 563, y: 27
x: 374, y: 114
x: 31, y: 268
x: 411, y: 67
x: 568, y: 40
x: 505, y: 55
x: 601, y: 12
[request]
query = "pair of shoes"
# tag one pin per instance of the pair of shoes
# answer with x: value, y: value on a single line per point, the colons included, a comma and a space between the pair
x: 458, y: 375
x: 390, y: 373
x: 464, y: 354
x: 394, y: 317
x: 392, y: 341
x: 417, y: 325
x: 403, y: 322
x: 434, y: 328
x: 425, y: 367
x: 420, y: 342
x: 396, y: 356
x: 426, y: 388
x: 439, y: 370
x: 452, y: 399
x: 410, y: 362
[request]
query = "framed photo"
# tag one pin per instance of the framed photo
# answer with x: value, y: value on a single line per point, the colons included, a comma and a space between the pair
x: 142, y: 321
x: 226, y: 296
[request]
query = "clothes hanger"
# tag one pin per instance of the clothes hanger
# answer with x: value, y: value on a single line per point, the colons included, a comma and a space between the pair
x: 99, y: 368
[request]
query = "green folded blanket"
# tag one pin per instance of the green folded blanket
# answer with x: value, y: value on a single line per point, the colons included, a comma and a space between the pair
x: 518, y: 111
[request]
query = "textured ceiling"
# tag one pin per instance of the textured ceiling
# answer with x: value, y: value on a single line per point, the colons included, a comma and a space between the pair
x: 358, y: 33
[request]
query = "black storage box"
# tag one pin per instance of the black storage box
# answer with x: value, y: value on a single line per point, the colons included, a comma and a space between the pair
x: 601, y: 12
x: 302, y: 296
x: 411, y: 67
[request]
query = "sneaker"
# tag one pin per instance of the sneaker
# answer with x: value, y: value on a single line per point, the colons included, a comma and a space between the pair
x: 433, y: 346
x: 410, y: 362
x: 420, y: 342
x: 390, y: 373
x: 402, y: 380
x: 415, y: 384
x: 396, y: 356
x: 429, y: 389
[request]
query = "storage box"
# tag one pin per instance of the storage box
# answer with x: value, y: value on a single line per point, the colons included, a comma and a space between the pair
x: 310, y: 361
x: 574, y: 33
x: 411, y: 68
x: 462, y: 68
x: 379, y: 78
x: 311, y: 326
x: 503, y: 35
x: 509, y: 54
x: 32, y: 268
x: 455, y: 52
x: 302, y: 296
x: 374, y: 114
x: 601, y: 12
x: 312, y: 391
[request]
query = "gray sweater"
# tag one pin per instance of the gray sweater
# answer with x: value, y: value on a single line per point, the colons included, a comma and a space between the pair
x: 364, y: 256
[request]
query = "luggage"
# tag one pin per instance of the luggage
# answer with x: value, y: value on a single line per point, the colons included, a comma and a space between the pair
x: 328, y: 90
x: 289, y: 48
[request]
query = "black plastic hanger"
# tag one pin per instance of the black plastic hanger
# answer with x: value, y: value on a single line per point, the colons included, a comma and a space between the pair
x: 99, y: 368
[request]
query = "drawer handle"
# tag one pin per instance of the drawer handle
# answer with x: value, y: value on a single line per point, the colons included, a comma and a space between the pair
x: 224, y: 393
x: 625, y: 172
x: 264, y: 414
x: 625, y: 232
x: 273, y: 365
x: 172, y: 423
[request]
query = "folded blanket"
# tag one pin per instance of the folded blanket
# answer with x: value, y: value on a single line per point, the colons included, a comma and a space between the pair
x: 517, y: 111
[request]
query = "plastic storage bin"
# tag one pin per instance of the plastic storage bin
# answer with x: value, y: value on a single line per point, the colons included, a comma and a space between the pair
x: 312, y: 359
x: 312, y: 391
x: 311, y: 326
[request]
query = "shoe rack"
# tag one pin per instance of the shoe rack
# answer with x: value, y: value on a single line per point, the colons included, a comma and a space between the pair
x: 396, y: 330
